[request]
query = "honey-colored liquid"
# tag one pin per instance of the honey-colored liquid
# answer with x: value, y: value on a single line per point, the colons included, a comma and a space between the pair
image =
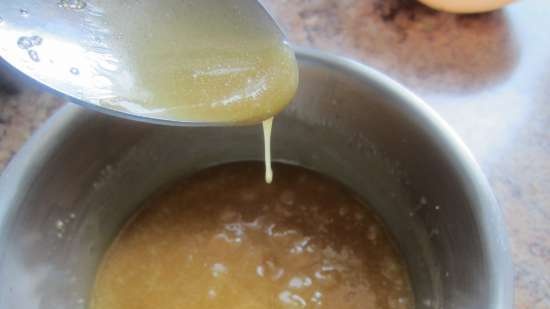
x: 201, y: 60
x: 267, y: 126
x: 224, y: 239
x: 207, y: 61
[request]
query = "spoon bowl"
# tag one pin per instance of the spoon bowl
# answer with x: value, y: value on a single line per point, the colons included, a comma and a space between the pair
x: 112, y: 56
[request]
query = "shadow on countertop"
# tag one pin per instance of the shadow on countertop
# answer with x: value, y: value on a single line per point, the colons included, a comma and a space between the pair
x: 9, y: 83
x: 425, y: 49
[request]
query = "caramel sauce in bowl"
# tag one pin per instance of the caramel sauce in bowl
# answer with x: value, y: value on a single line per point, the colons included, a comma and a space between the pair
x: 60, y: 212
x: 225, y: 239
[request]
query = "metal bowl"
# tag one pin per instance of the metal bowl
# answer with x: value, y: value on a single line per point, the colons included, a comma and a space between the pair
x: 73, y: 185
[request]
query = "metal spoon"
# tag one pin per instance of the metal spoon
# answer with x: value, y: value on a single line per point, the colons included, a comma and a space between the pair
x: 67, y: 45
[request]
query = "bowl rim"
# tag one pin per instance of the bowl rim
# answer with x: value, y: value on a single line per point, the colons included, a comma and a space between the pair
x: 19, y: 174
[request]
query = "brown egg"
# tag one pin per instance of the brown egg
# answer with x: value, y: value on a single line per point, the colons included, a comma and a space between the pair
x: 466, y: 6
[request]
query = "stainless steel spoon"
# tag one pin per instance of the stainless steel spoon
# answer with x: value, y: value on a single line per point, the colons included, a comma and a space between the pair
x: 67, y: 45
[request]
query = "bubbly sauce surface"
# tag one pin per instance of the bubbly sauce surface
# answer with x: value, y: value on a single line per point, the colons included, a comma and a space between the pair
x: 225, y: 239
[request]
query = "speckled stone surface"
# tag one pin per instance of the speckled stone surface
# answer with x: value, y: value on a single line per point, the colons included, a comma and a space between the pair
x: 488, y: 75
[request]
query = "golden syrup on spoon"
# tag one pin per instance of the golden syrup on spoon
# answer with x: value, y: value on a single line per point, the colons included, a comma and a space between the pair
x: 205, y: 61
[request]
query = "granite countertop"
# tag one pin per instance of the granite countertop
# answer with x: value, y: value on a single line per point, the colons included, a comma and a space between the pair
x: 488, y: 75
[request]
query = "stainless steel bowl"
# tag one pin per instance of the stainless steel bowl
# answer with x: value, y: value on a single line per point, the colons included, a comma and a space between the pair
x: 72, y: 186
